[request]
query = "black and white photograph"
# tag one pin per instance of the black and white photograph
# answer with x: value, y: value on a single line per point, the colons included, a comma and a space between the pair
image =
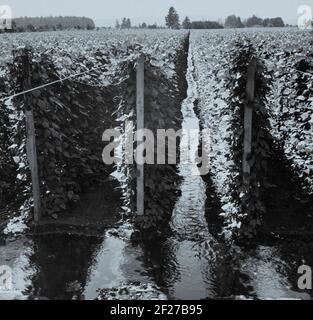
x: 156, y: 151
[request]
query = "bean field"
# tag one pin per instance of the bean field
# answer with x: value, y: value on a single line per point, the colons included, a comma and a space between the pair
x: 227, y: 233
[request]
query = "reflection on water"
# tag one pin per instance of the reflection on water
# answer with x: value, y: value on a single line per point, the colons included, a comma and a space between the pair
x: 16, y: 254
x: 268, y: 275
x: 62, y: 266
x: 117, y: 263
x: 63, y: 262
x: 68, y: 267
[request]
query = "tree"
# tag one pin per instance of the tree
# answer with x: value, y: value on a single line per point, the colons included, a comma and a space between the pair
x: 254, y: 21
x: 126, y: 23
x: 153, y: 26
x: 123, y: 24
x: 143, y: 26
x: 172, y: 19
x: 186, y: 23
x: 278, y: 22
x: 274, y: 22
x: 30, y: 28
x: 14, y: 28
x: 117, y: 24
x: 206, y: 25
x: 233, y: 22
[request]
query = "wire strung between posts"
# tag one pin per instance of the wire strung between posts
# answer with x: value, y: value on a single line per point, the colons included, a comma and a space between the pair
x: 47, y: 84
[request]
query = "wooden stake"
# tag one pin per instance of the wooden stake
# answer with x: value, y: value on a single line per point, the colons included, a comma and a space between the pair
x: 31, y: 138
x: 248, y: 120
x: 140, y: 126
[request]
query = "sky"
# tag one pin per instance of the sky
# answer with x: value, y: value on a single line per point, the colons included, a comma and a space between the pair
x: 105, y: 12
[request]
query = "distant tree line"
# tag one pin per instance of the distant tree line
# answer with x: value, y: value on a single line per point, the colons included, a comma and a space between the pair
x: 127, y: 24
x: 201, y: 24
x: 173, y: 22
x: 254, y: 21
x: 33, y: 24
x: 144, y: 25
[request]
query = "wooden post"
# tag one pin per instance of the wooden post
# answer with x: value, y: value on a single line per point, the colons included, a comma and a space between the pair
x: 140, y: 83
x: 248, y: 118
x: 31, y: 137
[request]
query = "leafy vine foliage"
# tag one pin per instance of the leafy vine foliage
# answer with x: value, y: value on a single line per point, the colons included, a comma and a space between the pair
x: 249, y: 195
x: 163, y: 100
x: 70, y: 119
x: 8, y: 167
x: 15, y: 181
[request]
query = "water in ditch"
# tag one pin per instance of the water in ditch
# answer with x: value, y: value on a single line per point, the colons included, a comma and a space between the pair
x: 186, y: 268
